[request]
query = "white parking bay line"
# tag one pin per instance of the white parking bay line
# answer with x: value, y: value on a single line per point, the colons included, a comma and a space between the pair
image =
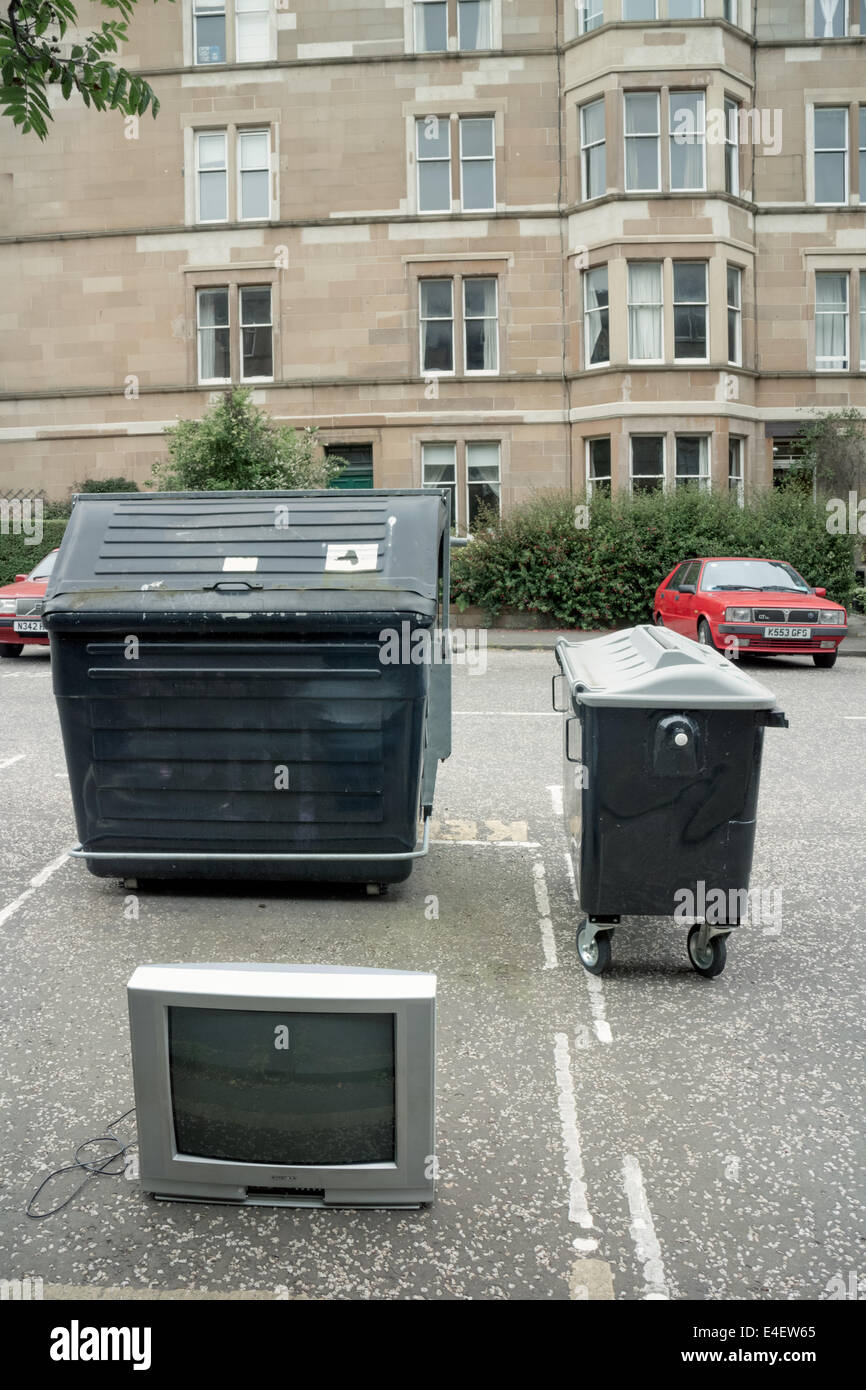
x: 578, y: 1205
x: 643, y: 1234
x: 9, y: 761
x: 542, y: 902
x: 36, y: 882
x: 593, y: 982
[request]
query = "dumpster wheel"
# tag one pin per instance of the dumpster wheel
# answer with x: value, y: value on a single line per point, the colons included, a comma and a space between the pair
x: 709, y: 960
x: 593, y: 951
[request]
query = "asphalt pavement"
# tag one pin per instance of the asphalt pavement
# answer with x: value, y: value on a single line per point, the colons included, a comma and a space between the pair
x: 647, y: 1135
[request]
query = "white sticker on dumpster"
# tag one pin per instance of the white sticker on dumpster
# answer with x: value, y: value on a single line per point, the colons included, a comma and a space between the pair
x: 352, y: 556
x: 240, y: 564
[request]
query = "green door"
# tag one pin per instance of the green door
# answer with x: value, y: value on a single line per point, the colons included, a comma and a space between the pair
x: 359, y: 464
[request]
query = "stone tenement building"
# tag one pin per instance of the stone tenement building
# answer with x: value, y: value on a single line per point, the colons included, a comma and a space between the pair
x: 501, y: 244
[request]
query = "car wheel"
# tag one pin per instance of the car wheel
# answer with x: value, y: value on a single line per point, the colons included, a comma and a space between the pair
x: 658, y: 620
x: 705, y: 636
x: 11, y: 649
x: 824, y: 659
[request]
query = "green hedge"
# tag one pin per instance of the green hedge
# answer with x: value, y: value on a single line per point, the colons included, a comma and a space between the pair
x: 605, y: 574
x: 18, y: 558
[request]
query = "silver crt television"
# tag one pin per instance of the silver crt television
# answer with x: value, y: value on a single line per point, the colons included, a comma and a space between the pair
x: 299, y: 1085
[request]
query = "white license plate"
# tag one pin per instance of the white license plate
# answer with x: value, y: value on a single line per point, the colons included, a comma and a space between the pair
x: 27, y: 625
x: 799, y: 634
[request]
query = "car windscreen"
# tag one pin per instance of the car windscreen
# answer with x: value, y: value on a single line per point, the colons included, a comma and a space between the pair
x: 761, y: 575
x: 44, y: 568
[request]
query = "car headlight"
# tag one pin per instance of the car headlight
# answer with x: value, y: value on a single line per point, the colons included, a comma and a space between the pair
x: 738, y: 615
x: 7, y: 605
x: 832, y: 616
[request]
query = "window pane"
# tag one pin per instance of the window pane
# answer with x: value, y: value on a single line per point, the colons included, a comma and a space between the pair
x: 211, y: 151
x: 482, y: 478
x: 647, y: 463
x: 690, y: 281
x: 863, y: 317
x: 479, y: 297
x: 437, y: 345
x: 830, y: 19
x: 477, y: 185
x: 690, y: 455
x: 255, y: 201
x: 593, y: 122
x: 476, y: 138
x: 638, y: 9
x: 210, y: 38
x: 599, y: 460
x: 591, y: 15
x: 434, y: 187
x: 473, y: 24
x: 685, y: 9
x: 597, y: 317
x: 831, y: 128
x: 253, y: 149
x: 647, y: 454
x: 481, y: 345
x: 213, y: 308
x: 641, y: 113
x: 645, y: 311
x: 252, y: 32
x: 642, y: 142
x: 212, y: 198
x: 431, y: 28
x: 862, y: 143
x: 830, y: 178
x: 433, y: 137
x: 213, y: 334
x: 256, y: 305
x: 687, y: 140
x: 439, y: 464
x: 436, y: 299
x: 439, y: 469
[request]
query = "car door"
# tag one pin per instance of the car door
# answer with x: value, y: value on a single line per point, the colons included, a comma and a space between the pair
x: 687, y: 606
x: 669, y: 596
x: 679, y: 602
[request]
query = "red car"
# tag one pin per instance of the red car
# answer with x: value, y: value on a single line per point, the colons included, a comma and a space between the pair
x: 762, y: 606
x: 18, y: 628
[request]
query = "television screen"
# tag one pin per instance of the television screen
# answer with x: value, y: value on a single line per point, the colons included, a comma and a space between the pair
x: 251, y: 1086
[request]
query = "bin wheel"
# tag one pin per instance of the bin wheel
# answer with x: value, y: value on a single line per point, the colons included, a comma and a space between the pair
x: 711, y: 961
x: 376, y: 890
x: 824, y: 659
x: 595, y: 954
x: 130, y: 883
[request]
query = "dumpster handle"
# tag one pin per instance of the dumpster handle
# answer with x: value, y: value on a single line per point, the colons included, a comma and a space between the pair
x: 159, y: 856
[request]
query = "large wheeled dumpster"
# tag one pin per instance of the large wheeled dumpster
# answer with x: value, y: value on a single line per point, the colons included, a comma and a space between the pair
x: 662, y: 755
x: 253, y: 685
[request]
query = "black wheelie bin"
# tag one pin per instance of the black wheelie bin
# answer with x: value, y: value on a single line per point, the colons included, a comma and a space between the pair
x: 252, y: 684
x: 662, y: 755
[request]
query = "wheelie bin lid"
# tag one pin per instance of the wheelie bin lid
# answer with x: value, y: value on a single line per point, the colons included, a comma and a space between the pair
x: 653, y: 668
x: 177, y: 554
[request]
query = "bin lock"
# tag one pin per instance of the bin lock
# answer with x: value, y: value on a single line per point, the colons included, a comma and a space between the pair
x: 676, y: 747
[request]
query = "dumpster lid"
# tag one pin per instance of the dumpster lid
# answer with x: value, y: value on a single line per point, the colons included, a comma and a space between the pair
x: 358, y: 549
x: 654, y: 668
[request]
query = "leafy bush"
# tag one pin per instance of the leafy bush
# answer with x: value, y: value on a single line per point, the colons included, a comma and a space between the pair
x: 237, y: 447
x: 18, y: 558
x: 604, y: 574
x: 106, y: 485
